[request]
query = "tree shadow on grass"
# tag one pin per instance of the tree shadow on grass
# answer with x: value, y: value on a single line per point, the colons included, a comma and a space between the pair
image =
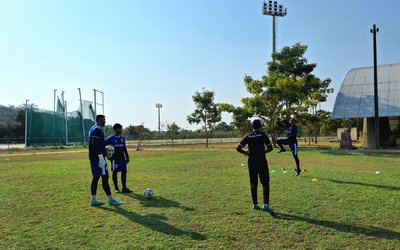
x: 158, y: 201
x: 368, y: 230
x: 154, y: 222
x: 363, y: 184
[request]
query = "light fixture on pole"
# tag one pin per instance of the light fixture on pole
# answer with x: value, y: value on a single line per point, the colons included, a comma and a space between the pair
x: 272, y: 8
x: 159, y: 105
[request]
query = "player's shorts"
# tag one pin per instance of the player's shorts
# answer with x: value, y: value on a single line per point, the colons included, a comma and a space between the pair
x: 118, y: 165
x: 293, y: 146
x: 96, y: 170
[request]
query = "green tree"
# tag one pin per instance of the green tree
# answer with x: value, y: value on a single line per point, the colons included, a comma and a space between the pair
x: 172, y: 131
x: 288, y: 88
x: 240, y: 117
x: 207, y: 112
x: 223, y: 127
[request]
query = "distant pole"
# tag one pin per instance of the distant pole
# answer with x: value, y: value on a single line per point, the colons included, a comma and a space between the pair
x: 55, y: 91
x: 374, y: 30
x: 66, y: 123
x: 272, y: 8
x: 26, y: 122
x: 83, y: 124
x: 159, y: 105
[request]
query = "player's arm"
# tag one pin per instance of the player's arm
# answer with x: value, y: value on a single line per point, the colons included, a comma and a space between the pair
x: 241, y: 145
x: 126, y: 153
x: 268, y: 144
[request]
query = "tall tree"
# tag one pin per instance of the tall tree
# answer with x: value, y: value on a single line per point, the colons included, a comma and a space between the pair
x: 288, y: 88
x: 207, y: 111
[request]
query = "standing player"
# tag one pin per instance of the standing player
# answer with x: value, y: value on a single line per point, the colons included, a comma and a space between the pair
x: 291, y: 140
x: 120, y: 158
x: 98, y: 164
x: 258, y: 145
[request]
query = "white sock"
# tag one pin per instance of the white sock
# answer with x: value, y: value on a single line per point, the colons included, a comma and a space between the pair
x: 93, y: 198
x: 110, y: 198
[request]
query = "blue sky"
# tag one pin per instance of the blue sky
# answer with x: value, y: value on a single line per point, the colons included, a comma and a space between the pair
x: 142, y: 52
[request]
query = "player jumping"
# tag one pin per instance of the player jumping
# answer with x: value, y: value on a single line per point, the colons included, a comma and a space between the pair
x: 291, y: 140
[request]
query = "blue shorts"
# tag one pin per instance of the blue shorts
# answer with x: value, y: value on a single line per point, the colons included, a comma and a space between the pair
x: 293, y: 146
x: 118, y: 165
x: 96, y: 170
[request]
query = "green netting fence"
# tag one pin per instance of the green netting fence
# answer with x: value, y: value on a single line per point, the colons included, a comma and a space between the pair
x: 46, y: 127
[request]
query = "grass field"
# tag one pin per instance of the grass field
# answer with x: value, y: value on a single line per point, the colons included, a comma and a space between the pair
x: 202, y: 200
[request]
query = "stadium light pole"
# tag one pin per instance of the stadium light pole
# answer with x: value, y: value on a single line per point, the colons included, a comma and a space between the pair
x: 159, y: 105
x: 272, y: 8
x: 374, y: 30
x: 26, y: 122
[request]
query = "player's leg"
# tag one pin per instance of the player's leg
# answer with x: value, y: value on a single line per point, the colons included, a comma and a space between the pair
x: 122, y: 166
x: 115, y: 181
x: 96, y: 173
x: 282, y: 142
x: 264, y: 179
x: 294, y: 149
x: 253, y: 174
x: 107, y: 190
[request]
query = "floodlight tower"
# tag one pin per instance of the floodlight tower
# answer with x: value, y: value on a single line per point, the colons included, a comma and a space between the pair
x: 272, y: 8
x: 159, y: 105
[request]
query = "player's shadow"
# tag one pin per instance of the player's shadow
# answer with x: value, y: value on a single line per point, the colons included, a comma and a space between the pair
x: 154, y: 222
x: 158, y: 202
x: 363, y: 184
x: 367, y: 230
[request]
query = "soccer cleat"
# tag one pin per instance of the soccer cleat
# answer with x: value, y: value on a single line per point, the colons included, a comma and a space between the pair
x: 255, y: 207
x: 282, y: 150
x: 266, y: 208
x: 298, y: 171
x: 115, y: 203
x: 126, y: 190
x: 96, y: 203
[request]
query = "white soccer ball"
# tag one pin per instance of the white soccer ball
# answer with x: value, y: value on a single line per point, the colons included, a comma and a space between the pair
x: 264, y: 94
x: 110, y: 150
x: 378, y: 172
x: 148, y: 193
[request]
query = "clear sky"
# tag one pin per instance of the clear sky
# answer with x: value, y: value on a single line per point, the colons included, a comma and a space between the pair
x: 142, y: 52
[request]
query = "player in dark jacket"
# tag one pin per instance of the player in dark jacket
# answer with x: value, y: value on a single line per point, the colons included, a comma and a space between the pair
x: 291, y: 140
x: 98, y: 164
x: 258, y: 145
x: 120, y: 158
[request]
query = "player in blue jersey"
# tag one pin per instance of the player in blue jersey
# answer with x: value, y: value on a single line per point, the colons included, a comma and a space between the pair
x: 291, y: 140
x: 120, y: 158
x: 98, y: 164
x: 258, y: 145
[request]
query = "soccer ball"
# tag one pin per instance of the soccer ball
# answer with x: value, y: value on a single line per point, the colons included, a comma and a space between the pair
x: 264, y: 94
x: 148, y: 193
x: 110, y: 150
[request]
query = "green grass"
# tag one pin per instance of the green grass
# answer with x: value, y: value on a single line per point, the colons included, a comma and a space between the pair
x: 202, y: 200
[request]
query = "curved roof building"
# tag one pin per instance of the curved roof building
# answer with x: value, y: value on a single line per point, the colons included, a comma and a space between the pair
x: 356, y: 96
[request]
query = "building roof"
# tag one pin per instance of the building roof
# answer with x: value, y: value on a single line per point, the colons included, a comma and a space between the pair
x: 356, y: 96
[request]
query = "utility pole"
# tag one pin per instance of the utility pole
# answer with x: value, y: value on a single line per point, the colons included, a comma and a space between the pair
x: 374, y: 30
x: 159, y: 105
